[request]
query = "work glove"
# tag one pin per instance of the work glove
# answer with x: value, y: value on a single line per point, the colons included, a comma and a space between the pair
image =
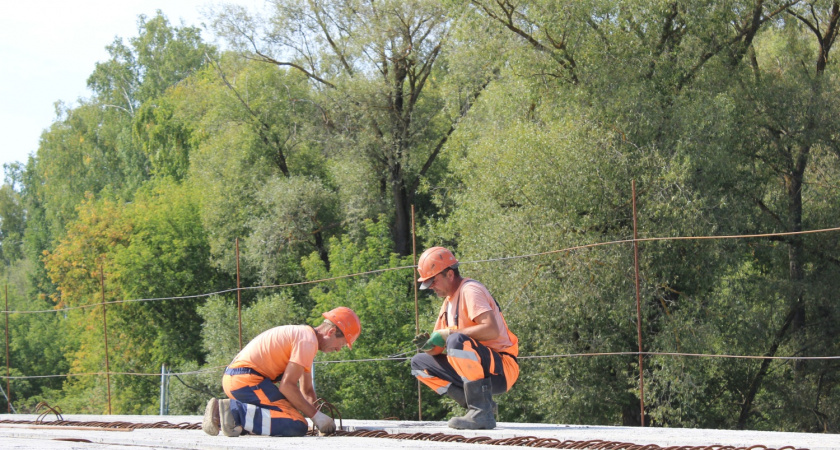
x: 420, y: 340
x: 325, y: 423
x: 437, y: 339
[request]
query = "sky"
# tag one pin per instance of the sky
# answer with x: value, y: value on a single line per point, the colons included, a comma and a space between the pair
x: 48, y: 48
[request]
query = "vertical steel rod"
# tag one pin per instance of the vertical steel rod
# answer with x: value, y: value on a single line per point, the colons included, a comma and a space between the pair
x: 238, y: 295
x: 105, y: 334
x: 8, y: 389
x: 416, y: 308
x: 638, y: 309
x: 162, y: 388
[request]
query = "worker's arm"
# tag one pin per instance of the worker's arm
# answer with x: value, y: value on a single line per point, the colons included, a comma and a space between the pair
x: 486, y: 328
x: 289, y: 389
x: 307, y: 388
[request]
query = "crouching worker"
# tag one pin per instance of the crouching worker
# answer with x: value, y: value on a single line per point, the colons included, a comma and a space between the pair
x: 282, y: 355
x: 481, y: 351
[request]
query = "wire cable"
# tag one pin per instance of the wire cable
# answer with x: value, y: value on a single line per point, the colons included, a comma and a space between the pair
x: 370, y: 272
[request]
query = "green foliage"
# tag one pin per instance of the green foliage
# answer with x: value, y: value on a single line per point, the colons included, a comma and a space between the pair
x: 720, y: 141
x: 298, y: 214
x: 514, y: 129
x: 11, y: 224
x: 155, y: 60
x: 381, y: 113
x: 36, y: 344
x: 166, y: 139
x: 154, y: 247
x: 251, y: 123
x: 91, y: 147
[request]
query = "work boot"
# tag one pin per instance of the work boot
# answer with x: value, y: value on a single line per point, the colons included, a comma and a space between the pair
x: 479, y: 416
x: 211, y: 417
x: 228, y: 425
x: 457, y: 393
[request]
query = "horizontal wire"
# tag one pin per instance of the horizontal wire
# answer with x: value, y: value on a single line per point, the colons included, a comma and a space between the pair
x: 393, y: 357
x: 566, y: 355
x: 654, y: 239
x: 139, y: 374
x: 699, y: 355
x: 506, y: 258
x: 225, y: 291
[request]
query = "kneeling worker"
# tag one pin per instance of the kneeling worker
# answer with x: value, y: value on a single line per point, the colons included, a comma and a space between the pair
x: 481, y: 351
x: 282, y: 354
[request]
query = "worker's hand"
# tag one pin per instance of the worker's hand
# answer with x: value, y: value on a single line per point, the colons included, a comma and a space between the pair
x: 442, y: 336
x: 420, y: 340
x: 325, y: 423
x: 437, y: 339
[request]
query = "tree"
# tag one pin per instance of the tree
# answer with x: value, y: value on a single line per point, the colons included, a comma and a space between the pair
x: 679, y: 98
x: 167, y: 256
x: 92, y: 146
x: 154, y: 247
x: 157, y: 59
x: 298, y: 212
x: 253, y: 144
x: 11, y: 223
x: 77, y: 266
x: 375, y: 66
x: 791, y: 101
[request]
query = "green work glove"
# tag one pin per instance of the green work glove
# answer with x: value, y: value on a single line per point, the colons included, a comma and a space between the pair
x: 437, y: 339
x: 420, y: 340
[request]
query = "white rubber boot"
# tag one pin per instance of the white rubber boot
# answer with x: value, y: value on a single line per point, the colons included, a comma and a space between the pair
x: 211, y: 423
x: 228, y: 425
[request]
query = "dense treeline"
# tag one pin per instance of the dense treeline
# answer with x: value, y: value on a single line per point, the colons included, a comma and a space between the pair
x: 512, y: 128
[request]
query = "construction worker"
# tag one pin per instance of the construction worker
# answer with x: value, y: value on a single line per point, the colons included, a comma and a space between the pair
x: 280, y: 355
x: 480, y: 350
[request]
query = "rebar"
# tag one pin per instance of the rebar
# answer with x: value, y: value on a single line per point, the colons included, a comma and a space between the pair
x: 519, y: 441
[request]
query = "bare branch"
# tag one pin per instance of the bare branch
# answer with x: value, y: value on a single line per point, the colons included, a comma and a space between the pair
x: 264, y: 130
x: 268, y: 59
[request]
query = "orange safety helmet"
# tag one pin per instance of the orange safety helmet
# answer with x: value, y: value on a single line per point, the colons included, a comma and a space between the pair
x: 434, y: 261
x: 347, y: 321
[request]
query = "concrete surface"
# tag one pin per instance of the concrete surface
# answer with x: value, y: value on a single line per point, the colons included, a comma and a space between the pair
x: 31, y: 437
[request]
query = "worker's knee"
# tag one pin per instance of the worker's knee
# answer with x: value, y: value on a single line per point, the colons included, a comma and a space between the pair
x: 456, y: 341
x: 421, y: 361
x: 294, y: 429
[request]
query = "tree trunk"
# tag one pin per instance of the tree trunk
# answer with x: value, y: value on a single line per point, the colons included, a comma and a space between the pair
x: 795, y: 245
x: 402, y: 220
x: 795, y: 318
x: 746, y: 407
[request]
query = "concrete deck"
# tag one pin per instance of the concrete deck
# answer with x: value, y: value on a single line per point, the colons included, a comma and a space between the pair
x: 34, y: 437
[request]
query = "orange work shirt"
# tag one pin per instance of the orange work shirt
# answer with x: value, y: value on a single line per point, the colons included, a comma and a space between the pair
x: 273, y: 350
x: 471, y: 300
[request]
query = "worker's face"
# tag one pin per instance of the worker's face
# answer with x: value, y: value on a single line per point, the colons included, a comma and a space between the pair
x: 333, y: 343
x: 442, y: 283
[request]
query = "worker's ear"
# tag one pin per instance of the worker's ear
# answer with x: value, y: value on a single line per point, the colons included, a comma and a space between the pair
x: 331, y: 331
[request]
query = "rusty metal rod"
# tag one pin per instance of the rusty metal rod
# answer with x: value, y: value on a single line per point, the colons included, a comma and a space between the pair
x: 105, y: 334
x: 416, y: 308
x: 238, y: 294
x: 63, y: 427
x: 8, y: 374
x: 522, y: 441
x: 638, y: 309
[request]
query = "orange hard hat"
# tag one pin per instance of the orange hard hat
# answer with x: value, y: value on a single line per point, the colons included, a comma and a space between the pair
x: 432, y: 262
x: 347, y: 321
